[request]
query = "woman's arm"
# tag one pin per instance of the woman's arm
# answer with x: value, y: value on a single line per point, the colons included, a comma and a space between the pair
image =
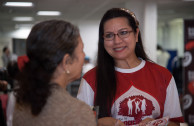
x: 86, y: 93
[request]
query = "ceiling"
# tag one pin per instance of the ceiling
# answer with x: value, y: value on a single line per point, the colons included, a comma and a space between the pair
x: 78, y: 10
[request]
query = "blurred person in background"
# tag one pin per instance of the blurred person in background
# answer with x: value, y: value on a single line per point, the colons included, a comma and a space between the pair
x: 163, y: 56
x: 8, y: 56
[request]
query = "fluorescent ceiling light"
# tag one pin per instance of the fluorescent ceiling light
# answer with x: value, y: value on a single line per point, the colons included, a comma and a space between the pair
x: 23, y: 26
x: 23, y: 19
x: 19, y: 4
x: 49, y: 13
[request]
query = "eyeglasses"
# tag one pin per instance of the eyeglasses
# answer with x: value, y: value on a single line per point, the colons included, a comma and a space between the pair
x: 121, y: 34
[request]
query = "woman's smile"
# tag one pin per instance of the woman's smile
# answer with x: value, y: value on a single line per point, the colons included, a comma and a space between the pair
x: 119, y: 49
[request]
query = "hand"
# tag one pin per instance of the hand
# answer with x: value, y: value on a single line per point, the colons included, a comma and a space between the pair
x: 3, y: 85
x: 109, y: 121
x: 143, y: 122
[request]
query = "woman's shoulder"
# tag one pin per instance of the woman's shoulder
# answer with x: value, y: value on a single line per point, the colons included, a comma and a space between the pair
x: 90, y: 76
x: 60, y: 97
x: 69, y: 108
x: 84, y: 113
x: 154, y: 67
x: 91, y: 72
x: 79, y: 112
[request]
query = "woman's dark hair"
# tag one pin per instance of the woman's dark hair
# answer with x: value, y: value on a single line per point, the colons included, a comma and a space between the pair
x: 105, y: 74
x: 46, y: 46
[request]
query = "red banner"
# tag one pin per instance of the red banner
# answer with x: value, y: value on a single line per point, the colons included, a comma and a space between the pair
x: 188, y: 63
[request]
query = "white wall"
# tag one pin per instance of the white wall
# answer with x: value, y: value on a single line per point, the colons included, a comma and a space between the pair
x: 89, y: 34
x: 150, y: 29
x: 146, y: 12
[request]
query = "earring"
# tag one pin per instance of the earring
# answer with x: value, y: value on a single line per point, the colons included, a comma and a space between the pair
x: 67, y: 72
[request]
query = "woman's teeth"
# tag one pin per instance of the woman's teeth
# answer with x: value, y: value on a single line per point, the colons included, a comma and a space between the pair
x: 119, y: 49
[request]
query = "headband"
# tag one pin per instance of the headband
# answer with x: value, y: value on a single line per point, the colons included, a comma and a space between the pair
x: 132, y: 14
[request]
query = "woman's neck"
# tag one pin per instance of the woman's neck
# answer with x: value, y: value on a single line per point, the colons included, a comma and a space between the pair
x: 128, y: 63
x: 59, y: 79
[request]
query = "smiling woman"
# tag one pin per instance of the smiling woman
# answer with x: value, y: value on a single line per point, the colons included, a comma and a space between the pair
x: 123, y: 45
x: 126, y: 84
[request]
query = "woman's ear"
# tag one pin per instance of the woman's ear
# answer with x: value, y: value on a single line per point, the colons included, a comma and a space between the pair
x: 66, y: 59
x: 66, y: 63
x: 136, y: 35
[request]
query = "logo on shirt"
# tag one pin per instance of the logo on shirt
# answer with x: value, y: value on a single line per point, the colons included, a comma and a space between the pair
x: 138, y: 106
x: 134, y: 106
